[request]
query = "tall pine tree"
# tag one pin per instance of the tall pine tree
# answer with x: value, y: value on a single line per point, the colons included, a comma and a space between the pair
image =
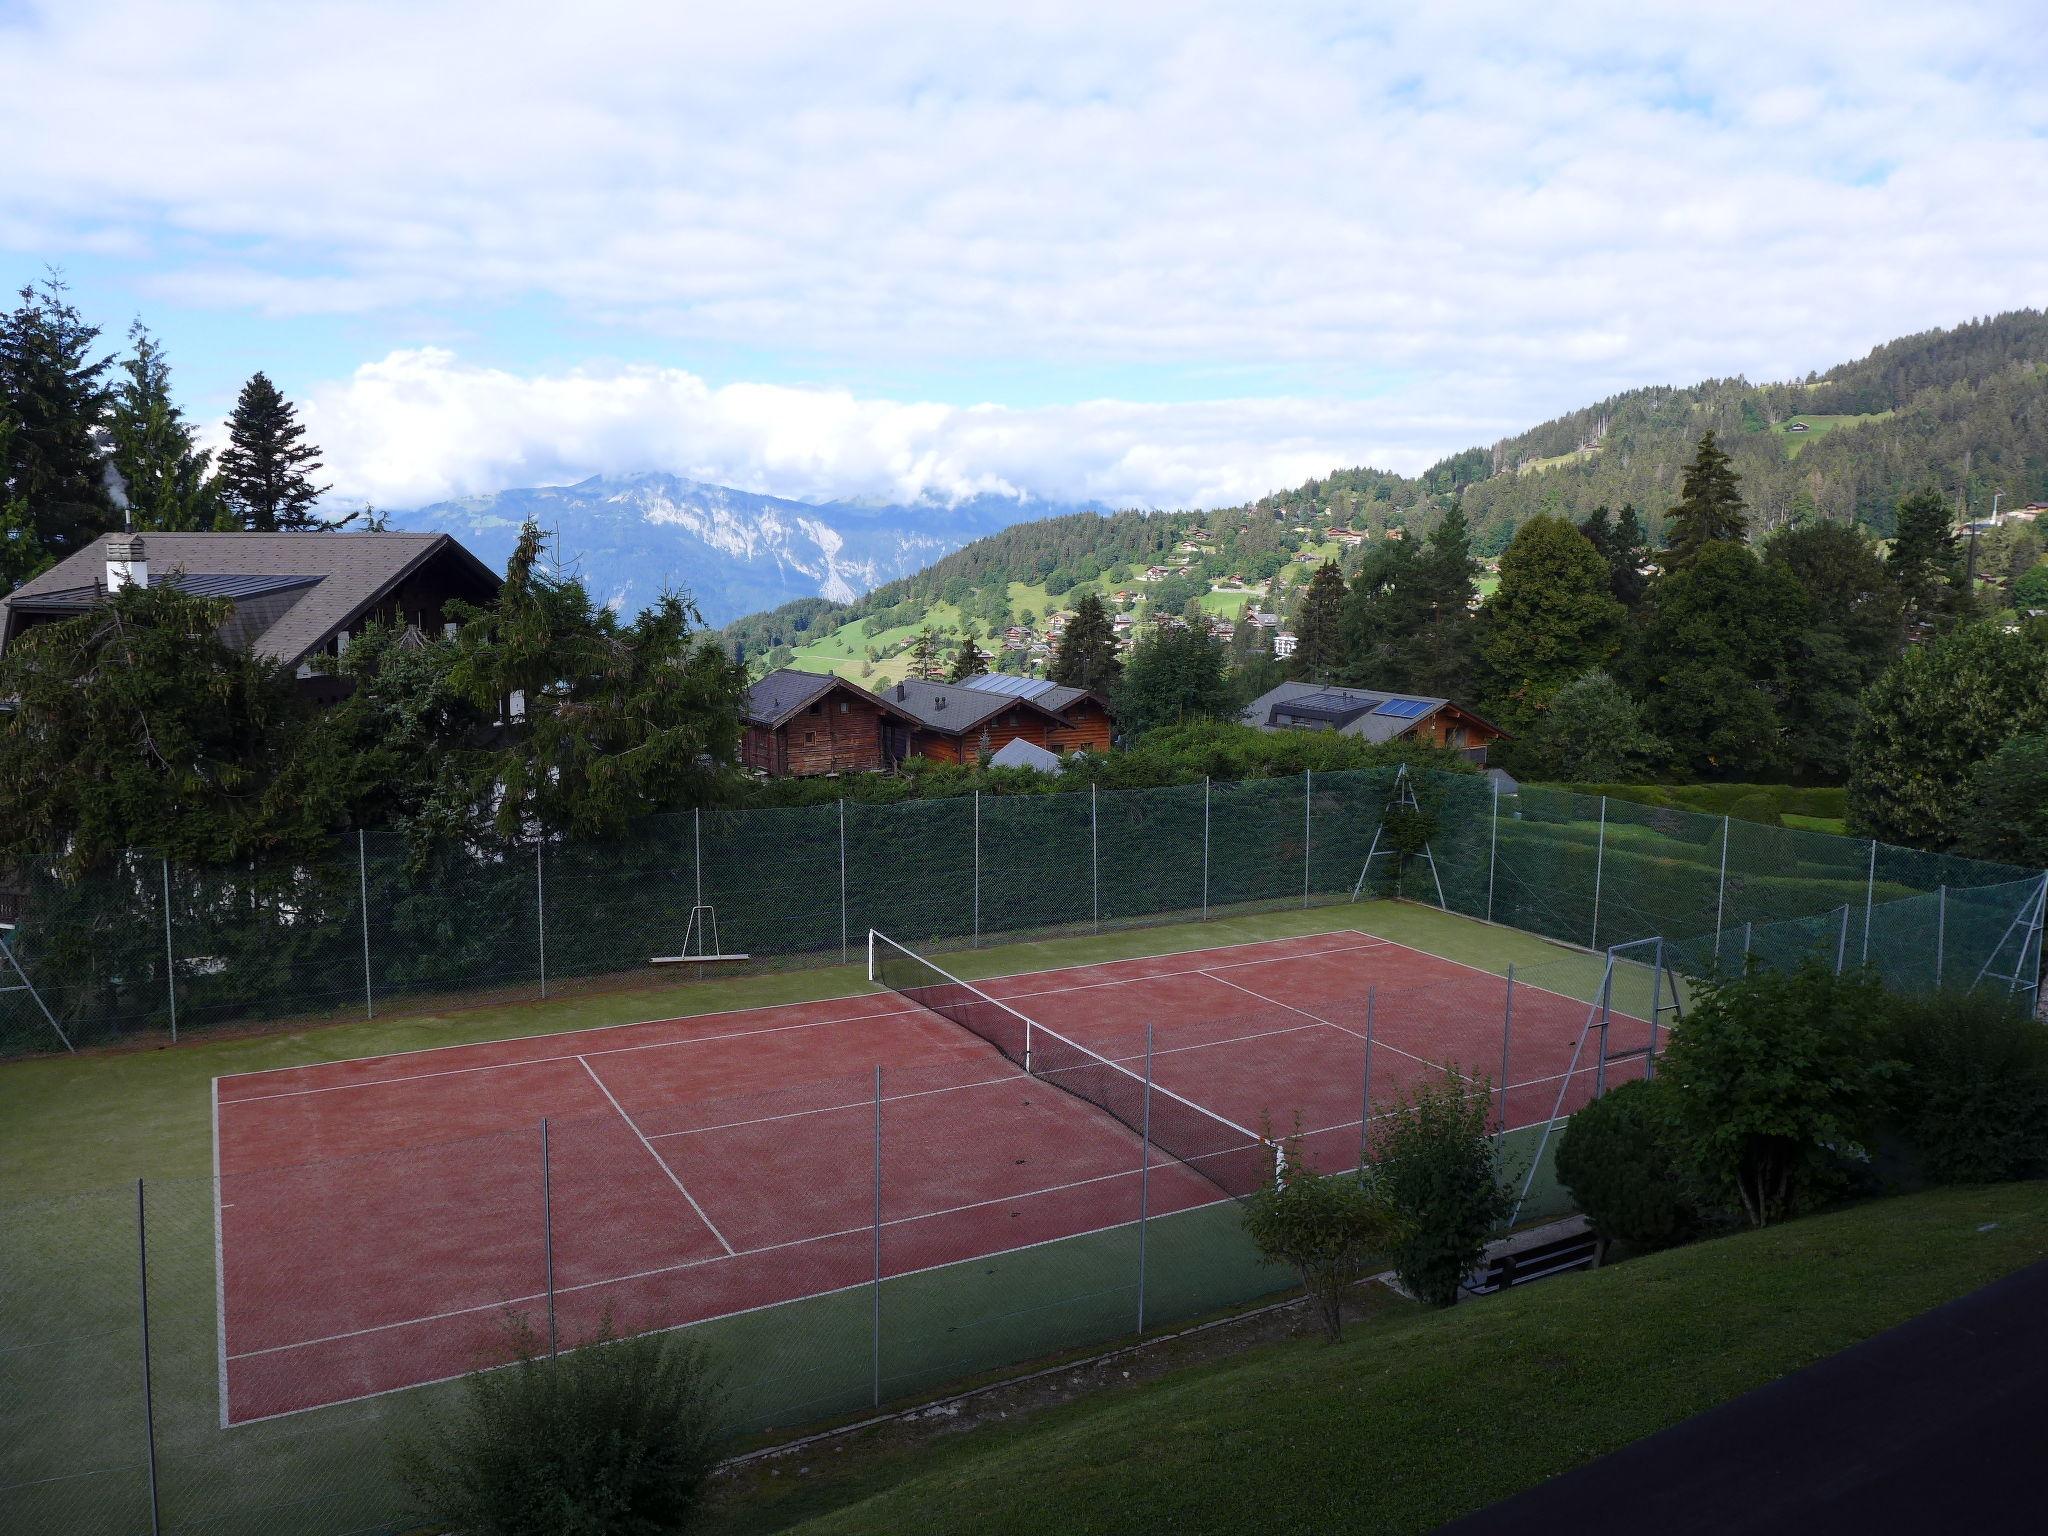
x: 970, y: 660
x: 266, y: 472
x: 1924, y: 564
x: 165, y: 476
x: 924, y: 653
x: 1626, y: 549
x: 55, y: 393
x: 1709, y: 509
x: 1319, y: 631
x: 1087, y: 656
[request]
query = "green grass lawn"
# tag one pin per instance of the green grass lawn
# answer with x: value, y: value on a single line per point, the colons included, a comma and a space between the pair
x: 1814, y: 808
x: 1229, y: 604
x: 1418, y: 1417
x: 1818, y: 426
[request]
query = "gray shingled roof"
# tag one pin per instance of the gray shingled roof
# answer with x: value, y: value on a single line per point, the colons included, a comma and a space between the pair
x: 348, y: 572
x: 1352, y: 711
x: 784, y: 691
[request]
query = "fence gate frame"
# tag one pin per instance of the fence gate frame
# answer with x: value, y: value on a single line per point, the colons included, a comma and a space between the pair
x: 1403, y: 794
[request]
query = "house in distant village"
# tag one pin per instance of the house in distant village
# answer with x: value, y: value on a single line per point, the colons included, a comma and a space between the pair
x: 1373, y: 715
x: 804, y: 723
x: 295, y: 596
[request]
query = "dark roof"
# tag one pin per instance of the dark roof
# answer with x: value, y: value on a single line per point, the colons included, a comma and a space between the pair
x: 781, y: 693
x: 337, y: 577
x: 957, y: 707
x: 1368, y: 712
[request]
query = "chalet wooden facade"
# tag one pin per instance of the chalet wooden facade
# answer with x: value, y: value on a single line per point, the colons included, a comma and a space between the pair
x: 800, y: 724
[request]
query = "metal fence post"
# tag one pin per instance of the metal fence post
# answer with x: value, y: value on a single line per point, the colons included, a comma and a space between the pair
x: 1144, y: 1173
x: 363, y: 890
x: 1869, y: 899
x: 1721, y: 893
x: 148, y: 1386
x: 876, y: 1324
x: 697, y: 850
x: 1606, y: 1018
x: 1748, y: 933
x: 1492, y: 849
x: 977, y: 869
x: 1599, y: 870
x: 1507, y: 1029
x: 1365, y: 1093
x: 1095, y: 855
x: 1842, y: 942
x: 842, y: 882
x: 1656, y: 1008
x: 1940, y: 935
x: 547, y: 1227
x: 1205, y: 848
x: 540, y: 914
x: 1307, y: 808
x: 170, y: 955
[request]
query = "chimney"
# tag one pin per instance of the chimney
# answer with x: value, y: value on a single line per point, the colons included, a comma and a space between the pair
x: 902, y: 692
x: 126, y: 563
x: 939, y: 702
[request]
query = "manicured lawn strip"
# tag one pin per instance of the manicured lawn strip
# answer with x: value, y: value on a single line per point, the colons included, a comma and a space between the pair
x: 1420, y: 1417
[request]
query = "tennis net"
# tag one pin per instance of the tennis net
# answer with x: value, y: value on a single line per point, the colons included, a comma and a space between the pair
x: 1235, y: 1160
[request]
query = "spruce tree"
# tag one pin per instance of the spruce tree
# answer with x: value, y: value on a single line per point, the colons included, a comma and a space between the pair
x: 1924, y: 565
x: 1709, y: 509
x: 969, y: 660
x: 1551, y: 621
x: 1319, y: 631
x: 924, y: 653
x: 166, y: 478
x: 266, y: 472
x: 55, y: 393
x: 1087, y: 655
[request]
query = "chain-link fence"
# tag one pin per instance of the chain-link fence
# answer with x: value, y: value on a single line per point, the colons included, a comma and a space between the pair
x: 149, y: 947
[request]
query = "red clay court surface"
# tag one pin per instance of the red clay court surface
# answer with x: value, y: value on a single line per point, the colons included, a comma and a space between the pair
x: 378, y: 1219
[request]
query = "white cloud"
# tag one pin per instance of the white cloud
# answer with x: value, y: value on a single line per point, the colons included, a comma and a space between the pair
x: 1556, y: 200
x: 422, y: 425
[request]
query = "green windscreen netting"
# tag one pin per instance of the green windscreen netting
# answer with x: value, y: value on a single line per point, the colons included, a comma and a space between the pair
x: 148, y: 944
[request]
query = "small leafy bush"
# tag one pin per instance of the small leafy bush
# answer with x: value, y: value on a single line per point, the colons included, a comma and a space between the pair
x: 1779, y: 1078
x: 1623, y: 1158
x: 615, y: 1438
x: 1332, y: 1229
x: 1973, y: 1101
x: 1442, y: 1177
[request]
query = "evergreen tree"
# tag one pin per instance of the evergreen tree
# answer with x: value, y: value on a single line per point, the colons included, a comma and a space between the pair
x: 1626, y: 549
x: 1175, y: 675
x: 164, y: 476
x: 968, y: 661
x: 1087, y: 655
x: 1924, y: 563
x: 266, y: 472
x: 924, y: 653
x: 1319, y: 631
x: 1408, y: 617
x: 1709, y: 509
x: 1551, y: 620
x: 21, y: 547
x: 56, y: 398
x: 1712, y: 666
x: 1848, y: 632
x: 1593, y: 733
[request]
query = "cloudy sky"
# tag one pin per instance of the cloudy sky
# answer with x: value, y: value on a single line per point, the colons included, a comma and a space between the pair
x: 1162, y: 254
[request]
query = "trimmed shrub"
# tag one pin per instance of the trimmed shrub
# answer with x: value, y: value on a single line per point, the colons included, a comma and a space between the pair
x: 1330, y: 1228
x: 615, y: 1438
x: 1442, y: 1177
x: 1623, y: 1159
x: 1758, y: 807
x: 1973, y: 1102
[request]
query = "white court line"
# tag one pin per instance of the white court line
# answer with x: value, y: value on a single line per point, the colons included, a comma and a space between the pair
x: 660, y: 1161
x: 220, y: 1269
x: 744, y: 1253
x: 735, y: 1034
x: 1327, y: 1023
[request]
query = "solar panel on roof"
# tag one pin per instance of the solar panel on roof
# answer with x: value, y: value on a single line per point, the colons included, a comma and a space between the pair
x: 1005, y: 683
x: 1404, y: 709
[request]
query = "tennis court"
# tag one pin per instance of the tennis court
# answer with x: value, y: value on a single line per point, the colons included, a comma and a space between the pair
x: 378, y: 1219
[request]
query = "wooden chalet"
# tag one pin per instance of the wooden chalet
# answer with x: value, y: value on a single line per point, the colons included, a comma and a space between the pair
x: 803, y: 723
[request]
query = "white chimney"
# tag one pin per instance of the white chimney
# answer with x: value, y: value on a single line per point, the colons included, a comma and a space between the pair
x: 126, y: 563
